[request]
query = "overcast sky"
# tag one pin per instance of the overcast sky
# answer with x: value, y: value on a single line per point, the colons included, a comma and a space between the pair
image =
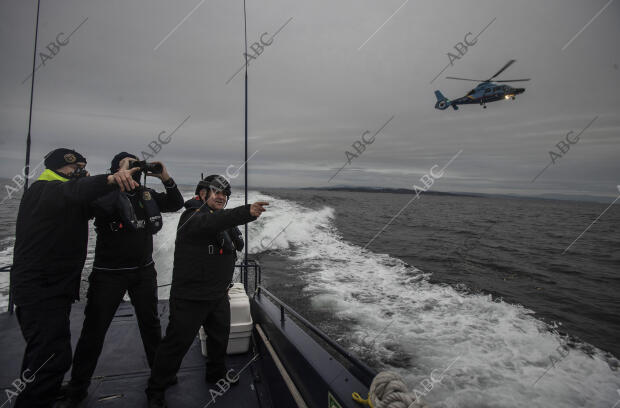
x: 134, y: 69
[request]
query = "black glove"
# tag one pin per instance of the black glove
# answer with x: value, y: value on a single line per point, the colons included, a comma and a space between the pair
x: 224, y: 241
x: 237, y: 238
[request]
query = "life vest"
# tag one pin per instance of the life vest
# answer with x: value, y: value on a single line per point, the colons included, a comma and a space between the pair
x: 153, y: 220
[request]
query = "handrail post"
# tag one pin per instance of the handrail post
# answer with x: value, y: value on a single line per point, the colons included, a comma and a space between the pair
x: 11, y: 305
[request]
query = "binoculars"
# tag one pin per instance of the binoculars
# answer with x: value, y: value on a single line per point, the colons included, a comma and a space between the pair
x: 147, y: 167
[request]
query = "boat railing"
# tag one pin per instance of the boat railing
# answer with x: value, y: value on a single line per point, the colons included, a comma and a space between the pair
x: 254, y: 266
x: 245, y: 268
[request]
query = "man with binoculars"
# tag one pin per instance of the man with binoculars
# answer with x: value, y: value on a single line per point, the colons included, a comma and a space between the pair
x: 125, y: 223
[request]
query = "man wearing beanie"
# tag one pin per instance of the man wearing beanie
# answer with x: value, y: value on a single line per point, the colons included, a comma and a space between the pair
x: 51, y: 236
x: 123, y: 263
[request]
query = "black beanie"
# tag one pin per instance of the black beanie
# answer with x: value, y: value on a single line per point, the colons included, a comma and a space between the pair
x: 116, y: 161
x: 61, y: 157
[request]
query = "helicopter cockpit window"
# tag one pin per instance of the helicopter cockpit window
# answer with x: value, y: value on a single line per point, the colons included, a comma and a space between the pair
x: 470, y: 92
x: 488, y: 90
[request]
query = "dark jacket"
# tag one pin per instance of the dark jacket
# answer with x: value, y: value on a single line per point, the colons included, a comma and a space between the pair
x: 204, y: 260
x: 118, y: 246
x: 51, y: 236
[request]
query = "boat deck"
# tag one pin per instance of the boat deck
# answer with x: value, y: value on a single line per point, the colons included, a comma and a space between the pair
x: 122, y: 370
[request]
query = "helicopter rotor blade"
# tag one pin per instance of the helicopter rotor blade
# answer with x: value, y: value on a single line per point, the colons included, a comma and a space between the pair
x: 466, y: 79
x: 509, y: 63
x: 513, y: 80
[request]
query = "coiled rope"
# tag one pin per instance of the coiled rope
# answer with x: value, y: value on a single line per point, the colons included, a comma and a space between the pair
x: 388, y: 390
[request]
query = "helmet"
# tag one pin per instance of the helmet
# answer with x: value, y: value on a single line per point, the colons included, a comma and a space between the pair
x: 215, y: 182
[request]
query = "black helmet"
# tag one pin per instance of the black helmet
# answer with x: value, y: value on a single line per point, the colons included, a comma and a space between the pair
x: 215, y: 182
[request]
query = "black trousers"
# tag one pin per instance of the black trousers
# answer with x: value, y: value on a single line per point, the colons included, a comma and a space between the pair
x: 48, y: 352
x: 186, y: 317
x: 105, y: 293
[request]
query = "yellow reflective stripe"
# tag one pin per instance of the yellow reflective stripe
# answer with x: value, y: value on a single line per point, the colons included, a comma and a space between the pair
x: 50, y: 175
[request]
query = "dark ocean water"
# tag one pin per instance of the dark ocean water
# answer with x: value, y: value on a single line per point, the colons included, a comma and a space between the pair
x: 478, y: 287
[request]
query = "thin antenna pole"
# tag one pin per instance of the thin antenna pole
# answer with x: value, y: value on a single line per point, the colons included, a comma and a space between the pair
x: 34, y: 61
x: 245, y: 29
x: 28, y: 138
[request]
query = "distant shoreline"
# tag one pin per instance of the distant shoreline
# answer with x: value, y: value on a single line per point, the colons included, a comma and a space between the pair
x: 549, y: 196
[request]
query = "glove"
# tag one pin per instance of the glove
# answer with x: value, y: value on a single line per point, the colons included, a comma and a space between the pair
x: 237, y: 238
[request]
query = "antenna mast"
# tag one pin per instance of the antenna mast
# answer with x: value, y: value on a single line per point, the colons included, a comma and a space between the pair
x: 245, y: 29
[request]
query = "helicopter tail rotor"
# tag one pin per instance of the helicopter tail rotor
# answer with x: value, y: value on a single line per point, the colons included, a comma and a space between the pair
x: 442, y: 101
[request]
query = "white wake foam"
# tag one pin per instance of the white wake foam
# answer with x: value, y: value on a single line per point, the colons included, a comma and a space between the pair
x: 492, y: 354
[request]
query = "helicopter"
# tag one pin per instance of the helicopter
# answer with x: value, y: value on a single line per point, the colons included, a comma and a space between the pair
x: 485, y: 91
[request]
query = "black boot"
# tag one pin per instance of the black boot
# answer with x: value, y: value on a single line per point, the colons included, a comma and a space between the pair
x: 71, y: 398
x: 157, y: 401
